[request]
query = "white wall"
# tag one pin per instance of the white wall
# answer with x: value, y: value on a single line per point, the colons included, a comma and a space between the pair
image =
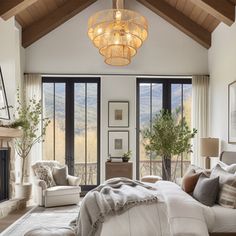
x: 222, y: 67
x: 112, y: 88
x: 12, y: 63
x: 67, y: 49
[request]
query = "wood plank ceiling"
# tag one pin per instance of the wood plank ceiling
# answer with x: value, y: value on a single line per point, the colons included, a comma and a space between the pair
x: 196, y: 18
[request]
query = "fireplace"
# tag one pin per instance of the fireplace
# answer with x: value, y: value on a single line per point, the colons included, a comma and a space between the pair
x: 4, y: 173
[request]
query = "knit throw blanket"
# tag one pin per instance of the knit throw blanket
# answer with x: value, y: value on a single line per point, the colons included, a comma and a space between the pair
x: 113, y: 197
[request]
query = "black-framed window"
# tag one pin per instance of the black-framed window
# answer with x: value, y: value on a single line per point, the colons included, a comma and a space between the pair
x: 72, y: 138
x: 154, y: 94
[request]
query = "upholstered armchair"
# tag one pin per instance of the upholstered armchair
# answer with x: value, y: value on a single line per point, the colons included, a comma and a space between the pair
x: 50, y: 194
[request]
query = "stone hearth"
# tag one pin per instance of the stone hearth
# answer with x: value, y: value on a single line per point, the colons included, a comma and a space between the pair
x: 6, y: 207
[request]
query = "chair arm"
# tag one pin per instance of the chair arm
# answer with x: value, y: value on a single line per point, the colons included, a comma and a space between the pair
x: 40, y: 183
x: 73, y: 181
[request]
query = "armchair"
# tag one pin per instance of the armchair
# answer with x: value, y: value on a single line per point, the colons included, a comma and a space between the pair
x: 57, y: 195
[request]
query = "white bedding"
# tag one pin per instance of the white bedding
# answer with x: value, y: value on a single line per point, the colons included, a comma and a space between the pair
x: 176, y: 214
x: 224, y: 219
x: 153, y: 220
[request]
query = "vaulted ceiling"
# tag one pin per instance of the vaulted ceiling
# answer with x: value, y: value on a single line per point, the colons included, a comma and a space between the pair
x: 196, y: 18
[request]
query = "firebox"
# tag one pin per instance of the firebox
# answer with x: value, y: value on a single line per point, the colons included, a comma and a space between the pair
x: 4, y: 174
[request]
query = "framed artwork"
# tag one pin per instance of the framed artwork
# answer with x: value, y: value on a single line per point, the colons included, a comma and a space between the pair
x: 4, y: 108
x: 232, y: 112
x: 118, y: 114
x: 118, y: 143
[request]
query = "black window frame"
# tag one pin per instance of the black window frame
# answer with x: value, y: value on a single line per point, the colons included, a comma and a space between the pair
x: 69, y: 121
x: 166, y: 104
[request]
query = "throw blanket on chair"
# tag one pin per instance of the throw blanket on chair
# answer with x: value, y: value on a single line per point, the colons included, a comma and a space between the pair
x: 113, y: 197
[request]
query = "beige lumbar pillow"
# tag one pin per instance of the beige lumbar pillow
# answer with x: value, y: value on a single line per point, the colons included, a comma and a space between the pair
x: 60, y: 175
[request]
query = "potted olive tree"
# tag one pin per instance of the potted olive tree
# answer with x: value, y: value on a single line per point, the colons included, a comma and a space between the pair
x: 28, y: 117
x: 168, y: 137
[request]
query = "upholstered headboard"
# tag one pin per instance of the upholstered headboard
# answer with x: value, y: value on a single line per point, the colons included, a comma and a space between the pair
x: 228, y: 157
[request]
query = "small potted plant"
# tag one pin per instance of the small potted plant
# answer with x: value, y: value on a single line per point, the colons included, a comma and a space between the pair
x: 127, y: 156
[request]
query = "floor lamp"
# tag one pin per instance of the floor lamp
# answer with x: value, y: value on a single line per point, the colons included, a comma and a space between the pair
x: 209, y: 147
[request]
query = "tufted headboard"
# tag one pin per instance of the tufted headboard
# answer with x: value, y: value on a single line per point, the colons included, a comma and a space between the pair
x: 228, y: 157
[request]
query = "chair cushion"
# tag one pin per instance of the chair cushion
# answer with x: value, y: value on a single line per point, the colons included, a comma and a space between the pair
x: 60, y: 175
x: 63, y: 231
x: 44, y: 173
x: 62, y: 190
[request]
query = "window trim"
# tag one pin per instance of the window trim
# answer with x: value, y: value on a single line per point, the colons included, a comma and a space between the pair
x: 166, y: 104
x: 69, y: 117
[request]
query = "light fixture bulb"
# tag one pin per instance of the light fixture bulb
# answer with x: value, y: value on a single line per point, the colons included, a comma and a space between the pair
x: 118, y: 15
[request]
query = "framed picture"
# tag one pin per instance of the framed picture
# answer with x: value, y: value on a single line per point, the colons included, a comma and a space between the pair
x: 232, y: 112
x: 4, y: 108
x: 118, y: 114
x: 118, y: 143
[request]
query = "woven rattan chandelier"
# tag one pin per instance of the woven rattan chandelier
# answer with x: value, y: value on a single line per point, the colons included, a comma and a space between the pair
x: 117, y: 33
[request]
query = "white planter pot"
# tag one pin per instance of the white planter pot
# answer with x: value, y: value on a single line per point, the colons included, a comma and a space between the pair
x: 23, y: 191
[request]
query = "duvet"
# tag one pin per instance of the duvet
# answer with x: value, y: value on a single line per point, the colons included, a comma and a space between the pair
x: 175, y: 214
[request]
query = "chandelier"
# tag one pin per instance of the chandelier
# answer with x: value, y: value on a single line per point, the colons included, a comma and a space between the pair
x: 117, y: 33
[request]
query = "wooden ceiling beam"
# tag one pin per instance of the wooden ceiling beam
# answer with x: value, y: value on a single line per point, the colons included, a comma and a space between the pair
x: 54, y: 19
x: 233, y: 1
x: 179, y: 20
x: 9, y: 8
x: 223, y: 10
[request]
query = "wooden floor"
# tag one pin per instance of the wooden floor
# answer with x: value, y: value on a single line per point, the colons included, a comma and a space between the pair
x: 11, y: 218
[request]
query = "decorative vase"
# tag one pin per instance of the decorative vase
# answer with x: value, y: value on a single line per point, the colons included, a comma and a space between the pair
x: 23, y: 191
x: 125, y: 159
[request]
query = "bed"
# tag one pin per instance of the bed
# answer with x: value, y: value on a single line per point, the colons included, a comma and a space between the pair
x: 184, y: 211
x: 226, y: 216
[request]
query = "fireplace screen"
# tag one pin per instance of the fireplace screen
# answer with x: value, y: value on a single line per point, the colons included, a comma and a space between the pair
x: 4, y: 174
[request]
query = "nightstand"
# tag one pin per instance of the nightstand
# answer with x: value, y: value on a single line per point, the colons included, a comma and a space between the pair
x: 119, y: 169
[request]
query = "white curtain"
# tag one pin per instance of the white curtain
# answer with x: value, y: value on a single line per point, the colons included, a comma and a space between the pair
x: 32, y: 85
x: 200, y: 100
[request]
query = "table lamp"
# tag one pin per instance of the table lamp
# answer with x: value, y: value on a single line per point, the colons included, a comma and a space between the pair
x: 209, y: 147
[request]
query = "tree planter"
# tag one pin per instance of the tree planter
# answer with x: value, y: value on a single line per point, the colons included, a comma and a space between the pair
x: 23, y: 191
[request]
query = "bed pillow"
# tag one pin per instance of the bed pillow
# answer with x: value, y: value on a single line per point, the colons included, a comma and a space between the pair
x: 60, y: 175
x: 206, y: 190
x: 190, y: 180
x: 44, y: 173
x: 227, y: 196
x: 224, y: 176
x: 229, y: 168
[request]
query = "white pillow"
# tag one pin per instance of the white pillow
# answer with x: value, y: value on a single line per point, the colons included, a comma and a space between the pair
x: 229, y: 168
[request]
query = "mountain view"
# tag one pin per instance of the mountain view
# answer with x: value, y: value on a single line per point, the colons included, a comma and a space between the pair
x: 86, y: 94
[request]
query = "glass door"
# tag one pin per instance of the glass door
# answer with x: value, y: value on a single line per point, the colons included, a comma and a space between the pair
x: 86, y: 117
x: 72, y: 138
x: 150, y: 103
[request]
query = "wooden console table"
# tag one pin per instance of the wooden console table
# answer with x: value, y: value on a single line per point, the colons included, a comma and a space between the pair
x: 119, y: 169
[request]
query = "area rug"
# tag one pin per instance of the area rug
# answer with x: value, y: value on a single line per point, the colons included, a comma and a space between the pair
x: 43, y: 217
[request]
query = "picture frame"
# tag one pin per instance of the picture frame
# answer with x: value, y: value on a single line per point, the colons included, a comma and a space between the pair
x: 118, y: 114
x: 118, y: 142
x: 4, y: 108
x: 232, y: 112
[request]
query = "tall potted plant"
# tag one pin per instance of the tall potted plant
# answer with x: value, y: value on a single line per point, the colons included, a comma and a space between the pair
x: 28, y: 117
x: 168, y: 137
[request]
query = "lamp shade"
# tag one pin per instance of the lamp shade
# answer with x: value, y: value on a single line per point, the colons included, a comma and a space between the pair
x: 209, y: 147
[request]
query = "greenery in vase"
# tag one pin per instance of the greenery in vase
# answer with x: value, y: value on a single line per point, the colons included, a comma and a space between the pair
x: 168, y: 137
x: 127, y: 155
x: 28, y: 117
